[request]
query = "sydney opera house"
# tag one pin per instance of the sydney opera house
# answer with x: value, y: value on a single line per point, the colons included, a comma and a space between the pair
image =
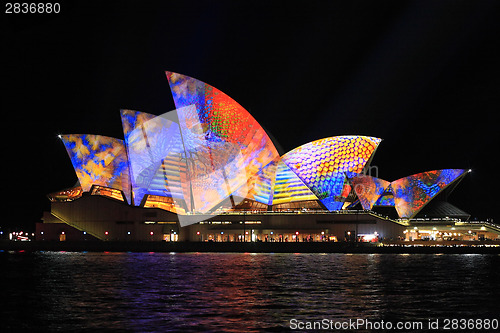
x: 207, y: 171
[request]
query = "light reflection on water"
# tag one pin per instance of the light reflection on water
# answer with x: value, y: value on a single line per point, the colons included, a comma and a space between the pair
x: 239, y: 292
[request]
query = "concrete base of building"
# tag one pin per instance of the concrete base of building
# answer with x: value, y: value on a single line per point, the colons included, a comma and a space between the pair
x: 108, y: 219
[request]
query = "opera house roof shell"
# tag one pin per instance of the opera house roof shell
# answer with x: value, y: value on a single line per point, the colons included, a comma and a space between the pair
x: 211, y: 155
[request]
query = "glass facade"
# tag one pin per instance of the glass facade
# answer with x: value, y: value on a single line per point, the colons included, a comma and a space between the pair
x: 289, y: 188
x: 69, y: 194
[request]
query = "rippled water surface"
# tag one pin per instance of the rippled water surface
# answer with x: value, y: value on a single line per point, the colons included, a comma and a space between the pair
x: 239, y: 292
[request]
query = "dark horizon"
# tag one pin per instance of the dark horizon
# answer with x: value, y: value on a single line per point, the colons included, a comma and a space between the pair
x: 423, y: 76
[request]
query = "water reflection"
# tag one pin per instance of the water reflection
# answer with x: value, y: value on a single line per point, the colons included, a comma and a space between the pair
x: 240, y: 292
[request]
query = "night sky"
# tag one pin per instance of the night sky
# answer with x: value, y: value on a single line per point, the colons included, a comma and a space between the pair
x: 424, y: 76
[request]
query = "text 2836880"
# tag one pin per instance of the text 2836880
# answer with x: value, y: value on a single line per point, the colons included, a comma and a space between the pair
x: 32, y: 8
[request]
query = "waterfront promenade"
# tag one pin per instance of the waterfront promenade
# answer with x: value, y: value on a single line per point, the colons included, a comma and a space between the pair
x: 259, y: 247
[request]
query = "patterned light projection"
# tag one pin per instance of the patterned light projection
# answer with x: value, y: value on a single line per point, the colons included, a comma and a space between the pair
x: 412, y: 193
x: 155, y: 151
x: 259, y: 187
x: 386, y: 199
x: 289, y: 188
x: 368, y: 189
x: 211, y: 170
x: 99, y: 160
x: 322, y: 165
x: 210, y: 155
x: 224, y: 144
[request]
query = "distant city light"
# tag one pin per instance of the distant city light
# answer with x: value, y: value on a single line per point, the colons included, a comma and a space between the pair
x: 369, y: 238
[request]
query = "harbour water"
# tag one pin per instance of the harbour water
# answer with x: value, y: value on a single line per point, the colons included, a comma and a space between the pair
x: 240, y: 292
